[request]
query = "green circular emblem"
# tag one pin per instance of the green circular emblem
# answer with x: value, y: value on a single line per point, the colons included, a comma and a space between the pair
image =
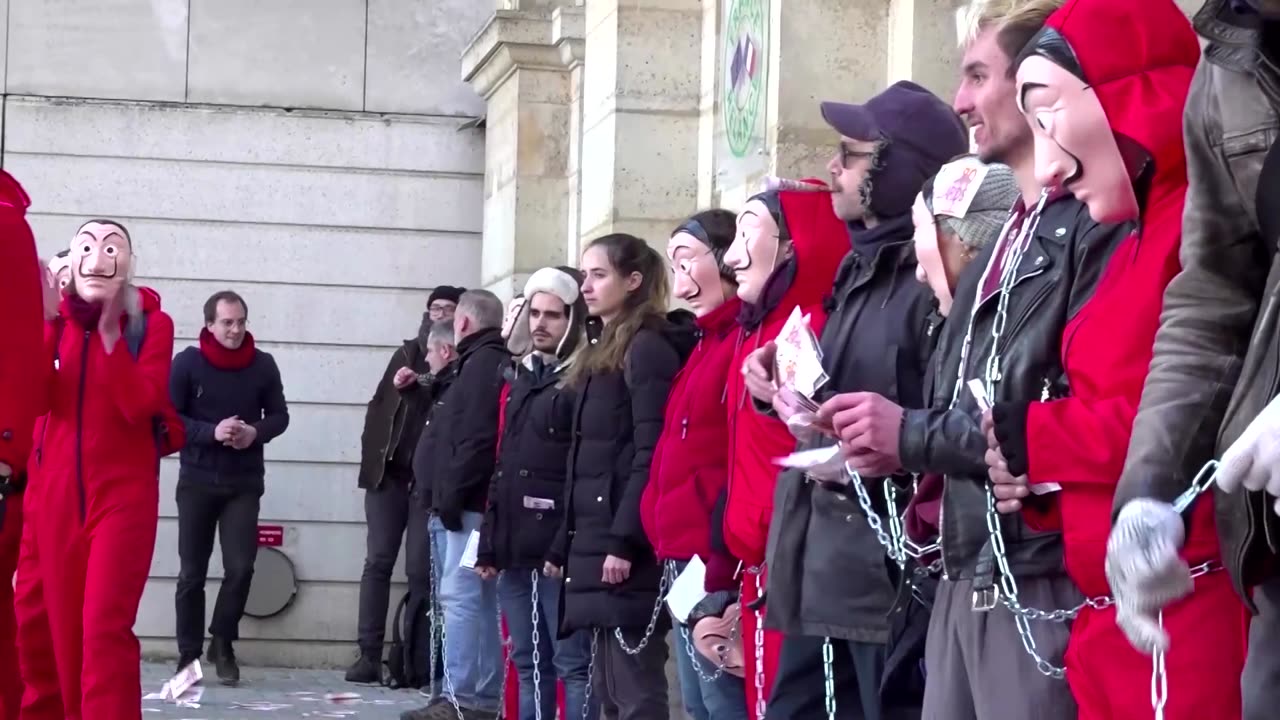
x: 744, y: 63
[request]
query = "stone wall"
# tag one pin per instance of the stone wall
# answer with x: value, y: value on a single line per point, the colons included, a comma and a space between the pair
x: 310, y: 155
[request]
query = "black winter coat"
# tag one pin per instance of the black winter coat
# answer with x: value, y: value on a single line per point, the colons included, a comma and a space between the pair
x: 425, y: 457
x: 392, y: 421
x: 617, y: 420
x: 828, y: 575
x: 466, y: 418
x: 204, y: 396
x: 526, y: 497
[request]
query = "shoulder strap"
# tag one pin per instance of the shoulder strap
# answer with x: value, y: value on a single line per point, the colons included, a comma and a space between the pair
x: 134, y: 333
x: 59, y: 324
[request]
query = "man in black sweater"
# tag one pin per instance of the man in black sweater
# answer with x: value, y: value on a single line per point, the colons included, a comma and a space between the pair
x: 232, y: 403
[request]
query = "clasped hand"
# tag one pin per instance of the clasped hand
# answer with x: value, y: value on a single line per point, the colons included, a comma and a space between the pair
x: 1008, y: 489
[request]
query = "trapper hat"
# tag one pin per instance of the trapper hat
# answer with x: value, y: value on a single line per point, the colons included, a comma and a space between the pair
x: 445, y: 292
x: 565, y: 283
x: 972, y: 199
x: 920, y: 132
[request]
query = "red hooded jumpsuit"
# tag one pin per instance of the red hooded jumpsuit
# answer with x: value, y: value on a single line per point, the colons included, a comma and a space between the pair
x: 821, y: 241
x: 20, y: 404
x: 92, y: 508
x: 1139, y: 56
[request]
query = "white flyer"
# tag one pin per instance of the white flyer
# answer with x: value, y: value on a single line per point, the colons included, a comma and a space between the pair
x: 471, y: 552
x: 687, y: 590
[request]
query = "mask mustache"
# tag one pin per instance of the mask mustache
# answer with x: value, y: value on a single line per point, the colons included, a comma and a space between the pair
x: 84, y: 274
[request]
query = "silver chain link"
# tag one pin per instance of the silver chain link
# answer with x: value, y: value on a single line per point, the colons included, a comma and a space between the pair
x: 829, y: 677
x: 653, y: 623
x: 591, y: 671
x: 1159, y: 680
x: 761, y: 702
x: 687, y: 641
x: 444, y: 637
x: 534, y: 576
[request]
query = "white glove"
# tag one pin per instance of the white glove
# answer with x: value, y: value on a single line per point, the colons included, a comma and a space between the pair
x: 1144, y: 569
x: 1253, y: 460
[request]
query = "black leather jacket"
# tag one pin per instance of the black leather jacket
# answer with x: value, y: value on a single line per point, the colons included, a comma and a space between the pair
x: 1057, y: 275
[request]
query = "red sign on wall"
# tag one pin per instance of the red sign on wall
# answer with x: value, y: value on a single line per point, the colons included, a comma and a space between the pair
x: 270, y: 535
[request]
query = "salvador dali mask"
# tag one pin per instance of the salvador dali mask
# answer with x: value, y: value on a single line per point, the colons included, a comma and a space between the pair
x: 1075, y: 146
x: 757, y: 250
x: 101, y: 259
x: 696, y: 276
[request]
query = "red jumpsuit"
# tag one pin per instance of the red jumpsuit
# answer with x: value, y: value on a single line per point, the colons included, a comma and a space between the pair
x: 1139, y: 56
x: 20, y: 403
x: 92, y: 509
x: 821, y: 241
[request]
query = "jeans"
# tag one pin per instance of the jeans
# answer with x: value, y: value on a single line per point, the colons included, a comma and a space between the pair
x: 567, y: 659
x: 473, y: 642
x: 705, y: 698
x: 202, y: 509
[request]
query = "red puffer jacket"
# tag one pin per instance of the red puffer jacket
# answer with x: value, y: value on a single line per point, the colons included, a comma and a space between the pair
x: 691, y: 462
x: 821, y: 241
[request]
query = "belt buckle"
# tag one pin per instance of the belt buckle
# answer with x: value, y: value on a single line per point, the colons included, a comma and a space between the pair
x: 985, y: 600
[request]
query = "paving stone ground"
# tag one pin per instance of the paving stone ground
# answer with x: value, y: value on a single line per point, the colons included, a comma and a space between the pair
x: 278, y: 694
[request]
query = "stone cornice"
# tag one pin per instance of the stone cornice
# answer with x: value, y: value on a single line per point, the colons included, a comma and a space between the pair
x: 515, y: 39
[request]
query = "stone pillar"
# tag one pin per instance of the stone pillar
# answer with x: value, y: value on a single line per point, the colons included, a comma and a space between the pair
x: 924, y: 40
x: 517, y: 64
x: 640, y: 96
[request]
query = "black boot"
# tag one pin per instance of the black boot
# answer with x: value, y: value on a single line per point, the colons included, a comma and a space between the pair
x: 223, y: 658
x: 186, y: 659
x: 365, y: 670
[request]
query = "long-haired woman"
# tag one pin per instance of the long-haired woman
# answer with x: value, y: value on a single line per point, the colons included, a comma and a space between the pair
x: 612, y: 580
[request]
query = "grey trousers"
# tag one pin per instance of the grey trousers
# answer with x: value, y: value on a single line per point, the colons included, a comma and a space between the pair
x: 976, y: 667
x: 1260, y: 683
x: 632, y: 687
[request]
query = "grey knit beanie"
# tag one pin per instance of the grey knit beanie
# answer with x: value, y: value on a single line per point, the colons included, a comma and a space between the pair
x: 976, y: 222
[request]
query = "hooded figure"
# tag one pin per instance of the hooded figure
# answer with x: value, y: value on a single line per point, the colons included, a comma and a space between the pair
x: 1103, y: 87
x: 789, y: 246
x: 94, y: 502
x: 21, y: 401
x: 526, y: 494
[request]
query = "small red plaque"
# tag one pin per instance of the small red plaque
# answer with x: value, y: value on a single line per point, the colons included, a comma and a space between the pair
x: 270, y: 535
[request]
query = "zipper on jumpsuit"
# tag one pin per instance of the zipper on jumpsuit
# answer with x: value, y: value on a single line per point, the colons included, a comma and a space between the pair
x: 84, y: 373
x: 733, y: 429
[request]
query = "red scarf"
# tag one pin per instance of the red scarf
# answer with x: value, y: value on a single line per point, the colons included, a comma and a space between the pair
x: 222, y: 358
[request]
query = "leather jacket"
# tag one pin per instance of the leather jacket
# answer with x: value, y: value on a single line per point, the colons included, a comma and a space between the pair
x: 1056, y: 276
x: 1217, y: 354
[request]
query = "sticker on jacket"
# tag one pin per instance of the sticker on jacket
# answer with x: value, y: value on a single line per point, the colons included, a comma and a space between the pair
x: 533, y: 503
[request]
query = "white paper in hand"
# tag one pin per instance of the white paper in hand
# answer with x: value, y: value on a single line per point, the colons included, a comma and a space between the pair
x: 687, y: 591
x: 471, y: 552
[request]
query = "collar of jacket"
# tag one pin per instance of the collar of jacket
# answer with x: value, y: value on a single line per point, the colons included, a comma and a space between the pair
x: 475, y: 341
x: 721, y: 321
x: 1234, y: 43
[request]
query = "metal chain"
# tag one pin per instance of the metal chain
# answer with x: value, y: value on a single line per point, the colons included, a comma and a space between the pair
x: 534, y: 576
x: 505, y: 647
x: 444, y: 645
x: 829, y: 677
x: 1159, y: 680
x: 433, y: 607
x: 891, y: 545
x: 759, y: 639
x: 653, y: 623
x: 670, y: 569
x: 591, y: 671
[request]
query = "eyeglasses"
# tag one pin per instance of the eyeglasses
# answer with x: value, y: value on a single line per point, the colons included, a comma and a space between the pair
x: 437, y: 309
x: 846, y: 153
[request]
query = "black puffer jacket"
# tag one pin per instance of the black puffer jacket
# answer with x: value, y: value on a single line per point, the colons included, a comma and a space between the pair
x: 617, y: 420
x: 526, y: 498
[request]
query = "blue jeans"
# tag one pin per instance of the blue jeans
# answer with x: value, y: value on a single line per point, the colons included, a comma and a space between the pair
x: 567, y: 659
x: 473, y: 642
x: 724, y: 698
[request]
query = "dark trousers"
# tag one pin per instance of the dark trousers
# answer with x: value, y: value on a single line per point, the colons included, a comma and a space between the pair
x: 202, y: 509
x: 799, y: 688
x: 391, y: 516
x: 1261, y: 679
x: 632, y: 687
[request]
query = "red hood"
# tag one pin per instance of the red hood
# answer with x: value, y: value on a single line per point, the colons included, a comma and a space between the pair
x: 1139, y: 56
x: 821, y: 241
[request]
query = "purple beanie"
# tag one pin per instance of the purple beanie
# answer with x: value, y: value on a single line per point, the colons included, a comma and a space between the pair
x: 921, y: 131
